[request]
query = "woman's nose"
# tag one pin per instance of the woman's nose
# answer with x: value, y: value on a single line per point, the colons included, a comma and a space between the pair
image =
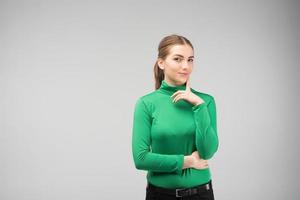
x: 185, y: 65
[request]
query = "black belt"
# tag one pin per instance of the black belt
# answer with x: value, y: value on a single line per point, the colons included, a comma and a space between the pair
x: 181, y: 192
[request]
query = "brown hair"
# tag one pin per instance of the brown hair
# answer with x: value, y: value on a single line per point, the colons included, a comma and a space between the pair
x: 163, y: 50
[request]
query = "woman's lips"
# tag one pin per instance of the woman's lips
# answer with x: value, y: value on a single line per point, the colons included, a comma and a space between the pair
x: 183, y: 74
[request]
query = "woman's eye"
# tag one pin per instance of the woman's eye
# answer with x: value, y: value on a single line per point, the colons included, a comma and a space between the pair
x: 177, y: 59
x: 191, y: 60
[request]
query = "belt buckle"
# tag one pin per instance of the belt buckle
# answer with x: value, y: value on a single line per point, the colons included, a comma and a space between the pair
x: 178, y: 190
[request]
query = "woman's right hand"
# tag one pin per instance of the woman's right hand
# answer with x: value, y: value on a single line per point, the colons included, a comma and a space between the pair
x: 198, y: 163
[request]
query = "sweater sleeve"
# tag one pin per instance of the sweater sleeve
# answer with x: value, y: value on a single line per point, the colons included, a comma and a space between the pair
x: 144, y: 158
x: 206, y: 129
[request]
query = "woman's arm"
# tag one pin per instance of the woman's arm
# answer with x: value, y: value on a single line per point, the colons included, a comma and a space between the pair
x: 206, y: 128
x: 143, y: 158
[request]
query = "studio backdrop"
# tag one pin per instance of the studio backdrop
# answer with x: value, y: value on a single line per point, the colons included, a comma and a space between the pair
x: 71, y: 72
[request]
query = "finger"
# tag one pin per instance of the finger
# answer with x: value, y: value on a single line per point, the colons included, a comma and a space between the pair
x: 204, y: 167
x: 174, y: 96
x: 177, y: 92
x: 188, y: 83
x: 178, y: 97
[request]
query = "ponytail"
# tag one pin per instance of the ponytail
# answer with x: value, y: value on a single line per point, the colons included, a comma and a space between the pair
x: 158, y: 75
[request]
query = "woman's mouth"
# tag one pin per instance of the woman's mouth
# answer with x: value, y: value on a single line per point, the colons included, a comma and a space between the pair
x: 183, y: 74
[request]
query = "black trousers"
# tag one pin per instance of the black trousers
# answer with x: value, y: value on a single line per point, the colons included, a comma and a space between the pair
x: 205, y: 195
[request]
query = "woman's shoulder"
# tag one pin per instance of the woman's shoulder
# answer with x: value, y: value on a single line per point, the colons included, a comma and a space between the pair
x: 147, y: 98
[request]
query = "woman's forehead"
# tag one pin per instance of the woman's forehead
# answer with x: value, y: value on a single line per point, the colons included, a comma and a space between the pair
x: 184, y: 50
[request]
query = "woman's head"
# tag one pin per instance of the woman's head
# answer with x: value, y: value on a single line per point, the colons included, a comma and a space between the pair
x: 175, y: 60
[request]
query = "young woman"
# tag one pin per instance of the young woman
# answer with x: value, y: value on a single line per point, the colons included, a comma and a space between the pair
x: 174, y: 128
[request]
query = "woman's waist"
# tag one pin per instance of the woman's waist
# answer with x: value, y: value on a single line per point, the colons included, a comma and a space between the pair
x: 188, y: 178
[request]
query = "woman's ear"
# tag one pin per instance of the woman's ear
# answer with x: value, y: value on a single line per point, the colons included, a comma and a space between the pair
x: 160, y: 63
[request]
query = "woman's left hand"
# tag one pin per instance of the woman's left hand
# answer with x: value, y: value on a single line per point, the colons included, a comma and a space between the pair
x: 187, y: 95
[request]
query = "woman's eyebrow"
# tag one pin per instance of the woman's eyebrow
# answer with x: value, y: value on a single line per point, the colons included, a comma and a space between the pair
x: 182, y: 56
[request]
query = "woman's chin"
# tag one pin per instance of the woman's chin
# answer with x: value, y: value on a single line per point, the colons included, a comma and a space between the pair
x: 181, y: 81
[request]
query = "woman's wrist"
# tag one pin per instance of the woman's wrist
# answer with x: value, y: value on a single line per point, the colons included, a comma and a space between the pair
x: 188, y: 162
x: 198, y: 101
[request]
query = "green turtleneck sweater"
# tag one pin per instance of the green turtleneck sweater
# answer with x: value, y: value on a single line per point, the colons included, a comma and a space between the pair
x: 164, y: 132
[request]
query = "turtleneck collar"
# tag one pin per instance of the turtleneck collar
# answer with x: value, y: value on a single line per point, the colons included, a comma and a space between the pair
x: 169, y: 89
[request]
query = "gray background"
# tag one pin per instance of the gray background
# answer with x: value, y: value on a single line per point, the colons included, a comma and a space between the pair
x: 71, y: 71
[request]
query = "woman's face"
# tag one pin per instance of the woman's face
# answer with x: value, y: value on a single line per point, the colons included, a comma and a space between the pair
x: 178, y: 65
